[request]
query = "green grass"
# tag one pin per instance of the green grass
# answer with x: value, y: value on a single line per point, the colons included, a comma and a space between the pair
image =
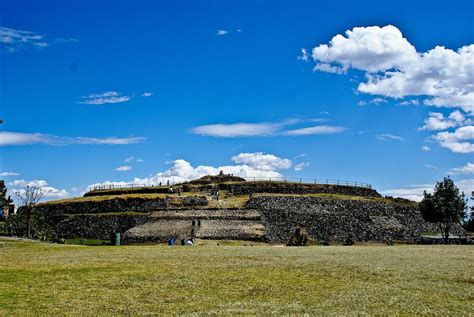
x: 104, y: 197
x: 224, y: 201
x: 343, y: 197
x: 89, y: 242
x: 38, y: 278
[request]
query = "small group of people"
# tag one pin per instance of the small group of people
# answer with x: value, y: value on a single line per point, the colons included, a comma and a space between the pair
x: 185, y: 242
x: 167, y: 183
x: 215, y: 193
x: 179, y: 190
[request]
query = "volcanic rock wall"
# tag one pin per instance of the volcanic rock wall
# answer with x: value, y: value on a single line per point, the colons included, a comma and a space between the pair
x: 246, y: 188
x: 338, y: 219
x: 119, y: 204
x: 98, y: 226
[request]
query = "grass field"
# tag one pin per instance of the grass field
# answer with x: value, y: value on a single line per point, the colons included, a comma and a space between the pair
x: 39, y: 278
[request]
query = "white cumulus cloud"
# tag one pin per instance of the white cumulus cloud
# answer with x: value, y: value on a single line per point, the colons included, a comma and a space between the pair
x: 33, y: 183
x: 395, y: 69
x: 124, y: 168
x: 459, y: 141
x: 42, y: 185
x: 262, y: 161
x: 437, y: 121
x: 415, y: 192
x: 249, y: 165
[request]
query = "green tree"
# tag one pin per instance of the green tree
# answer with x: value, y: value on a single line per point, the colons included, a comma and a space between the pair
x: 469, y: 223
x: 445, y: 207
x: 4, y: 200
x: 29, y: 197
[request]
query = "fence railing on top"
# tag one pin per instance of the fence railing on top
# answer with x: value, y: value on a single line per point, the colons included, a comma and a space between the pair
x: 320, y: 181
x: 249, y: 179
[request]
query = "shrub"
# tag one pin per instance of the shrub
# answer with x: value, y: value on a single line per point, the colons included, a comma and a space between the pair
x: 348, y: 241
x: 42, y: 225
x: 187, y: 187
x: 16, y: 225
x: 300, y: 238
x: 388, y: 240
x: 324, y: 242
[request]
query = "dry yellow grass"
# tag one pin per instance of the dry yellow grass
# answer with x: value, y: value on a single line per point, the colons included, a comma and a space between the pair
x: 39, y: 278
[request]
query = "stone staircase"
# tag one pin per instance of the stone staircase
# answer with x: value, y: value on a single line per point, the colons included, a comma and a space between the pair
x: 235, y: 224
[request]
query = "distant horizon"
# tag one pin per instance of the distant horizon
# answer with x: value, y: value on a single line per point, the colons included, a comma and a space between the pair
x: 107, y: 93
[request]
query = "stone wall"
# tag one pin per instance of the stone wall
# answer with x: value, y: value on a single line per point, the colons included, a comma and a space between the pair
x: 337, y: 219
x: 119, y: 204
x: 296, y: 188
x: 98, y: 226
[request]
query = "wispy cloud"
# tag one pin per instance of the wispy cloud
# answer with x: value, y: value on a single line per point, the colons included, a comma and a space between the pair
x: 222, y: 32
x: 237, y: 129
x: 389, y: 137
x: 66, y: 40
x: 265, y: 129
x: 466, y: 169
x: 12, y: 39
x: 132, y: 159
x: 104, y: 98
x: 9, y: 174
x: 321, y: 129
x: 300, y: 166
x: 411, y: 102
x: 375, y: 101
x: 304, y: 55
x: 124, y: 168
x: 425, y: 148
x: 147, y: 94
x: 17, y: 138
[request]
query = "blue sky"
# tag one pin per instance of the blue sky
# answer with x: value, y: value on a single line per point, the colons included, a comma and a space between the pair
x: 225, y: 85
